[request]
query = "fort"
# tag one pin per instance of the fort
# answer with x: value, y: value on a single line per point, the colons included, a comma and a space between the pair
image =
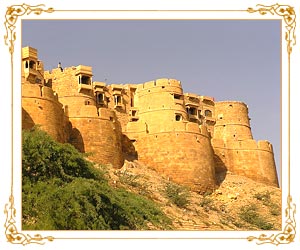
x: 186, y: 137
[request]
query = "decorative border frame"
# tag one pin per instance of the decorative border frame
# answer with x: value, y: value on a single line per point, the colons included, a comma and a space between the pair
x: 286, y: 12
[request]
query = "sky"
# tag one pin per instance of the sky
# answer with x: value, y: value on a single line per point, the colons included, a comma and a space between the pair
x: 227, y: 59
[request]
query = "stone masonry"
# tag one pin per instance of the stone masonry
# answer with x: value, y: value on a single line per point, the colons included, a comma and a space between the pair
x: 186, y: 137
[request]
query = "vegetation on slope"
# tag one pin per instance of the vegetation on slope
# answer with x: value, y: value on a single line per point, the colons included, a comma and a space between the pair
x: 63, y: 191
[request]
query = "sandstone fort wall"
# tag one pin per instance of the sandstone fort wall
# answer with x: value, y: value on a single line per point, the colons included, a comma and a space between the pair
x: 94, y: 130
x: 41, y: 107
x: 184, y: 136
x: 166, y: 141
x: 235, y: 150
x: 98, y: 135
x: 232, y: 121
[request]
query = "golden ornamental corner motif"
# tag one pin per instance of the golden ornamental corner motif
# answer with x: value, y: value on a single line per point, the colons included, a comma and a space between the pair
x: 11, y: 17
x: 11, y: 231
x: 289, y: 231
x: 289, y: 17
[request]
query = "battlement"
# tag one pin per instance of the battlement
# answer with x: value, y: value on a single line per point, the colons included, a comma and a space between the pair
x: 228, y: 103
x: 38, y: 91
x: 243, y: 145
x: 163, y: 85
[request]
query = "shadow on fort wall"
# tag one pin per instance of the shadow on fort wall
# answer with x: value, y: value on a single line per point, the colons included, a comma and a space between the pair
x: 128, y: 149
x: 27, y: 122
x: 76, y: 140
x: 221, y: 170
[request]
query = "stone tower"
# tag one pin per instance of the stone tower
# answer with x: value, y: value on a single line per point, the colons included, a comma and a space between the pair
x: 40, y: 105
x: 95, y: 129
x: 166, y: 140
x: 235, y: 149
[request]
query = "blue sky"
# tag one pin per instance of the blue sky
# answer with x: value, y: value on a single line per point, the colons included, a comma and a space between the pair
x: 227, y: 59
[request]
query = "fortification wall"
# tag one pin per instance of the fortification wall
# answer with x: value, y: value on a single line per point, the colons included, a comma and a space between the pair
x: 166, y: 141
x: 40, y: 106
x: 163, y: 128
x: 65, y: 82
x: 99, y: 135
x: 249, y: 158
x: 232, y: 121
x: 185, y: 157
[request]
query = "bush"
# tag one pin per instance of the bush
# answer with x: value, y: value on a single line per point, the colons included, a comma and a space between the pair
x: 265, y: 197
x: 177, y: 194
x: 249, y: 214
x: 208, y: 204
x: 62, y: 191
x: 128, y: 178
x: 43, y: 159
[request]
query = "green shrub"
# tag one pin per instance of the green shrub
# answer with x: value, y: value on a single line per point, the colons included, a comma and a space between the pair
x: 128, y: 178
x: 208, y: 204
x: 265, y: 197
x: 63, y: 191
x: 249, y: 214
x: 43, y: 159
x: 177, y: 194
x: 275, y: 209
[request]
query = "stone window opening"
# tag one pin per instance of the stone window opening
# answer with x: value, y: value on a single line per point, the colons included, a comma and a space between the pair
x: 178, y: 97
x: 133, y: 112
x: 178, y: 117
x: 208, y: 113
x: 131, y: 102
x: 117, y: 100
x: 86, y: 102
x: 134, y: 119
x: 85, y: 80
x: 230, y: 105
x: 100, y: 97
x: 192, y: 111
x: 31, y: 64
x: 26, y: 65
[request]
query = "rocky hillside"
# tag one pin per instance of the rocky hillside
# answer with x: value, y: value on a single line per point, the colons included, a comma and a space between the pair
x: 238, y: 204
